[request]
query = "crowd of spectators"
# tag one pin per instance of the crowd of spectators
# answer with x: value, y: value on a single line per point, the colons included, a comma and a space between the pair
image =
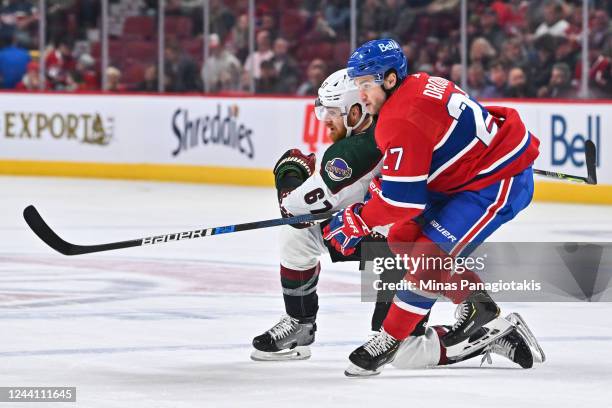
x: 516, y: 48
x: 519, y: 48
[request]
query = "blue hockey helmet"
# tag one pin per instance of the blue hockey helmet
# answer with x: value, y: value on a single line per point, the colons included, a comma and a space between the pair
x: 376, y: 58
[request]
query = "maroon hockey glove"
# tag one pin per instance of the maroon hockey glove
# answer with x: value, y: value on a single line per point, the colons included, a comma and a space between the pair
x: 292, y: 169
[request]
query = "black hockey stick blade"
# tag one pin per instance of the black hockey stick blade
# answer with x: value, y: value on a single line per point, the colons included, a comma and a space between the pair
x: 590, y: 153
x: 591, y: 161
x: 44, y: 232
x: 38, y: 225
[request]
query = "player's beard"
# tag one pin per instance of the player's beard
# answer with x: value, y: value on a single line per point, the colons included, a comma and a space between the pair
x: 336, y: 133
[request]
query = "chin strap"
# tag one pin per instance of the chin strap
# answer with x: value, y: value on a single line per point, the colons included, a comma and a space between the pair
x: 349, y: 129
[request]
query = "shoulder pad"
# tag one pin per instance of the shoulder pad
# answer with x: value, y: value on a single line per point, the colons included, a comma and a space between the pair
x: 349, y: 159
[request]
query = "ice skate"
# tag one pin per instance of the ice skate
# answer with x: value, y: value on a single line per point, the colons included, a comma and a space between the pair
x: 370, y: 358
x: 287, y: 340
x: 519, y: 346
x: 476, y: 311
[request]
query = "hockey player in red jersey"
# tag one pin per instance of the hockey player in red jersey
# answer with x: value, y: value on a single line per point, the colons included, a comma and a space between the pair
x: 462, y: 168
x: 348, y: 166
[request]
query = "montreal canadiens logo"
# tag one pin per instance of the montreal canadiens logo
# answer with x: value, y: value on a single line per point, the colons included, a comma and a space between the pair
x: 337, y: 169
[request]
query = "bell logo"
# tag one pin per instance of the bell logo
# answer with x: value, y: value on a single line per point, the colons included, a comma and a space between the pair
x: 566, y: 146
x: 391, y: 45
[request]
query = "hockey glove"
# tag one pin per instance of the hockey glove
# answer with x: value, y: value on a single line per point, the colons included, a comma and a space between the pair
x: 292, y: 169
x: 346, y: 229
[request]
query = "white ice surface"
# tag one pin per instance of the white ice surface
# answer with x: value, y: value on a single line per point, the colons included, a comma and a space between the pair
x: 171, y: 325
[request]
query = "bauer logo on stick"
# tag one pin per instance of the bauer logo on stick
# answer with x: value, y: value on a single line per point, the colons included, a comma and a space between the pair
x: 337, y: 169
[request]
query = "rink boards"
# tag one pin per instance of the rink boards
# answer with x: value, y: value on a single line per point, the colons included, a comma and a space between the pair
x: 237, y: 140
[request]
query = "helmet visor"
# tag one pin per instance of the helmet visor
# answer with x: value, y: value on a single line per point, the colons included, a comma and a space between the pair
x: 324, y: 112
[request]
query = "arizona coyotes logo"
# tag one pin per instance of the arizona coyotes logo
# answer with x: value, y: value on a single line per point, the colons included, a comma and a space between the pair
x: 337, y: 169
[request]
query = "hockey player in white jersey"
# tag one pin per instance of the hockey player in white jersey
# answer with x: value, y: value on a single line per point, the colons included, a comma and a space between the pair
x: 347, y: 168
x: 345, y: 172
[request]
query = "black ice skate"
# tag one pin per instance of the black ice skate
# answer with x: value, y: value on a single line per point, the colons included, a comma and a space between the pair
x: 519, y: 346
x: 369, y: 359
x: 476, y: 311
x: 513, y: 347
x: 287, y: 340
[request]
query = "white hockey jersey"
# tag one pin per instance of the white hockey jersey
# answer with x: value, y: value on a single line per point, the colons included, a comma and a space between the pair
x: 342, y: 178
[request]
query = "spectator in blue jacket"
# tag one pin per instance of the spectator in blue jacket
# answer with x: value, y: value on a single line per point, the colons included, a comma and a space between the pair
x: 13, y: 65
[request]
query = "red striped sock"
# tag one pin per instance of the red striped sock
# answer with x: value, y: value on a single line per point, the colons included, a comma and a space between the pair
x: 399, y: 323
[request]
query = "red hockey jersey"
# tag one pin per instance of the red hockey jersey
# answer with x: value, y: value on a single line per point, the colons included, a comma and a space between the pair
x: 436, y: 138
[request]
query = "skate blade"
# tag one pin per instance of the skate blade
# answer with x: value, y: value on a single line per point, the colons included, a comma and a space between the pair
x: 496, y: 328
x: 532, y: 342
x: 354, y: 371
x: 298, y: 353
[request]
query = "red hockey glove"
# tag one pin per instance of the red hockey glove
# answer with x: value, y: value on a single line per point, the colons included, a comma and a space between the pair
x: 346, y: 229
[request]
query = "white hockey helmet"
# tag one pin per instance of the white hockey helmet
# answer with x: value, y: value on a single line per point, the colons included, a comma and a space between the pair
x: 337, y: 95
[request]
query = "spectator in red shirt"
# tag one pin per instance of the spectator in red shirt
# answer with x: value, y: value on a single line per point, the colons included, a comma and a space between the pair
x: 31, y: 79
x: 59, y: 63
x: 600, y: 77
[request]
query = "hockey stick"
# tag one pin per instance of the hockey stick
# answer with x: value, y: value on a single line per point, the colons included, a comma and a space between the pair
x: 590, y: 160
x: 49, y: 237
